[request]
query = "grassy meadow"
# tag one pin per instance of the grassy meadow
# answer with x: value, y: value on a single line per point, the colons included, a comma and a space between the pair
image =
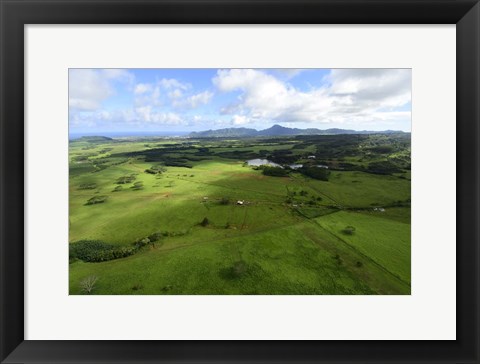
x: 190, y: 216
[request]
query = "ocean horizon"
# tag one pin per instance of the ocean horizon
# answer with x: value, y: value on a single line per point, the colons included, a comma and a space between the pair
x: 125, y: 134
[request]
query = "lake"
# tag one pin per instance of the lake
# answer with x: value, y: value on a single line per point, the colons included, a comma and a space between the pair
x: 262, y: 162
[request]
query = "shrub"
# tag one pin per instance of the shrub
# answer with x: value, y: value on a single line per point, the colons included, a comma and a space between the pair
x: 86, y: 250
x: 384, y: 167
x: 137, y: 186
x: 155, y: 170
x: 125, y: 179
x: 224, y: 201
x: 236, y: 271
x: 137, y: 287
x: 96, y: 199
x: 274, y: 171
x: 382, y: 149
x: 321, y: 174
x: 155, y: 236
x: 117, y: 189
x: 239, y: 269
x: 97, y: 251
x: 87, y: 186
x: 348, y: 230
x: 88, y: 284
x: 205, y: 222
x: 167, y: 288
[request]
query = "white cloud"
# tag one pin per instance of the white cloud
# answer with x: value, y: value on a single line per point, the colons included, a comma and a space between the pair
x: 240, y: 120
x: 147, y: 94
x: 168, y: 118
x: 148, y: 115
x: 171, y: 83
x: 175, y: 94
x: 201, y: 98
x: 88, y: 88
x: 118, y: 74
x: 265, y: 97
x: 142, y: 115
x: 289, y: 73
x: 348, y: 96
x: 385, y: 87
x: 194, y: 101
x: 142, y: 88
x: 354, y: 97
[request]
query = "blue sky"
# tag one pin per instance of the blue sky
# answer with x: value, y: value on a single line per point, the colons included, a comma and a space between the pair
x: 174, y: 100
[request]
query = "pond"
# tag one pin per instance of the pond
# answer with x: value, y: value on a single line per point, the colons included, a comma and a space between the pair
x: 262, y: 162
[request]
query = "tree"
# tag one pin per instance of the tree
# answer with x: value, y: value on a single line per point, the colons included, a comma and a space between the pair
x: 125, y: 179
x: 315, y: 172
x: 224, y: 201
x: 96, y: 199
x: 88, y: 284
x: 137, y: 186
x: 383, y: 167
x: 274, y: 171
x: 155, y: 236
x: 349, y: 230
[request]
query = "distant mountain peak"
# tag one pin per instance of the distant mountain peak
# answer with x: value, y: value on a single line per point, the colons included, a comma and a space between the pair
x: 278, y: 130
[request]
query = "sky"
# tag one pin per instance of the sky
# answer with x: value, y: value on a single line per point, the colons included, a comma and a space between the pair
x: 182, y: 100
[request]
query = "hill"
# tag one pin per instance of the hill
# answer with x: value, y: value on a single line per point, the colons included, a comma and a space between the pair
x: 224, y: 133
x: 278, y: 130
x: 92, y: 139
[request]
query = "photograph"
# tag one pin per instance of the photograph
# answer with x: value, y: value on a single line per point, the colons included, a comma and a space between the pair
x: 236, y: 181
x: 240, y: 182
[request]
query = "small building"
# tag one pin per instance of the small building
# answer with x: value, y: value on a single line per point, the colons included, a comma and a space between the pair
x: 240, y: 202
x: 311, y: 157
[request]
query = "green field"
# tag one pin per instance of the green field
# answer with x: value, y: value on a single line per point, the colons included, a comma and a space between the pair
x: 189, y: 216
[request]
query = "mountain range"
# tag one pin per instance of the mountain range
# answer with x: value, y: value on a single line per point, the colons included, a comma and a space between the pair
x: 278, y: 130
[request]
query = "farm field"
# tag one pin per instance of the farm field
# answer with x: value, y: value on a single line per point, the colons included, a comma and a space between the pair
x: 185, y: 216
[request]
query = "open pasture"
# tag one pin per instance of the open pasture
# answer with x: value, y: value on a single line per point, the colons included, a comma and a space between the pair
x: 222, y: 227
x: 384, y: 241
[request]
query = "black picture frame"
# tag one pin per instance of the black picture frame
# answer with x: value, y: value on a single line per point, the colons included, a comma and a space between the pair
x: 17, y: 13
